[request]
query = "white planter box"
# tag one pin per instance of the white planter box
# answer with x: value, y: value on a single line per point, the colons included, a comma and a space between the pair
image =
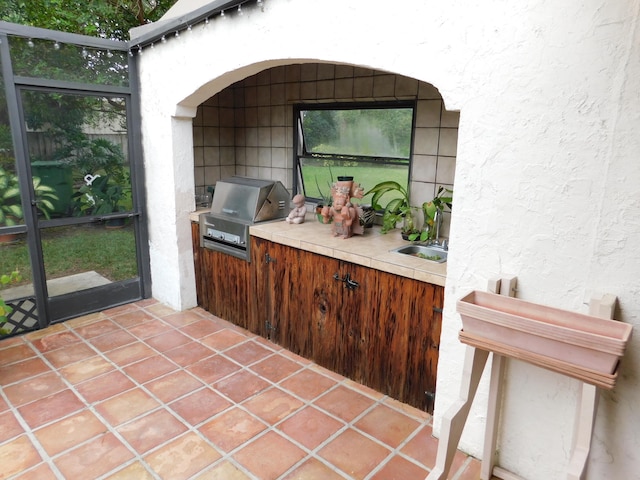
x: 582, y: 346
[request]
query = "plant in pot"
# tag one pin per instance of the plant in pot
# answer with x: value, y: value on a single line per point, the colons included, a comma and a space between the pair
x: 327, y: 200
x: 397, y: 210
x: 432, y: 212
x: 101, y: 197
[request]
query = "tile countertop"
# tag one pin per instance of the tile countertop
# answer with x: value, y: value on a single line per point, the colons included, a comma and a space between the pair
x: 369, y: 250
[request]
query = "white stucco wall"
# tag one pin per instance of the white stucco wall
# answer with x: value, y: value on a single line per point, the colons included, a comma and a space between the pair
x: 547, y: 179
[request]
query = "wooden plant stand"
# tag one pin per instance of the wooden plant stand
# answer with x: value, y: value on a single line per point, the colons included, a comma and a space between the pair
x: 474, y: 364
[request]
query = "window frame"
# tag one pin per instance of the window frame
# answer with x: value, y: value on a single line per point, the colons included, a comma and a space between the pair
x: 300, y: 148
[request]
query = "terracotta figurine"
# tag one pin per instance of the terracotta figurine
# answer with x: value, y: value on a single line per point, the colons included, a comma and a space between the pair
x: 345, y: 215
x: 299, y: 211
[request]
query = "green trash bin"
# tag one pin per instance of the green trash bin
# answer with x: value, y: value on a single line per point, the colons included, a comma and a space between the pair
x: 57, y: 175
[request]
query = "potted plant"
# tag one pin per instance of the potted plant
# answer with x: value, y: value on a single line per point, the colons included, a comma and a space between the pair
x: 101, y: 197
x: 398, y: 209
x: 433, y: 214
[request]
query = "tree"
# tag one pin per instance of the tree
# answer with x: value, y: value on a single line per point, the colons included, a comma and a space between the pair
x: 97, y: 18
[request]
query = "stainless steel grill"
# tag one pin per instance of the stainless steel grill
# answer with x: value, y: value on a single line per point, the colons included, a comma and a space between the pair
x: 238, y: 203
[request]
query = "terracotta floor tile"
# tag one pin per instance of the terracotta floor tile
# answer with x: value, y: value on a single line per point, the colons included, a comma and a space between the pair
x: 241, y: 385
x: 22, y: 370
x: 232, y: 428
x: 126, y: 406
x: 224, y: 339
x: 9, y: 426
x: 69, y: 432
x: 51, y: 408
x: 314, y: 469
x: 104, y: 386
x: 423, y: 447
x: 181, y: 319
x: 85, y: 320
x: 94, y: 458
x: 201, y: 328
x: 85, y: 370
x: 173, y: 385
x: 58, y: 340
x: 17, y: 456
x: 34, y: 388
x: 389, y: 426
x: 308, y: 384
x: 400, y: 468
x: 344, y: 402
x: 133, y: 319
x: 276, y: 367
x: 189, y: 353
x: 3, y: 405
x: 41, y: 472
x: 167, y: 340
x: 182, y: 458
x: 223, y: 471
x: 113, y: 340
x: 310, y: 427
x: 135, y: 471
x: 160, y: 310
x: 471, y: 471
x: 200, y: 406
x: 150, y: 368
x: 101, y: 327
x: 151, y: 430
x: 130, y: 354
x: 120, y: 309
x: 213, y: 369
x: 71, y: 354
x: 269, y: 456
x: 354, y: 454
x: 273, y: 405
x: 151, y: 328
x: 248, y: 352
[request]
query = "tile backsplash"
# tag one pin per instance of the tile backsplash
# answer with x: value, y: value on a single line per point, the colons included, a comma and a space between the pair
x: 247, y: 128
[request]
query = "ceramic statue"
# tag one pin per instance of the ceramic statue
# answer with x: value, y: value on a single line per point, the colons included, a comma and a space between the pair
x: 299, y: 211
x: 344, y: 215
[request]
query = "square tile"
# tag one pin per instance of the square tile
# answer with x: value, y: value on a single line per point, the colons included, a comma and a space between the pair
x: 189, y: 353
x: 113, y: 340
x: 247, y: 353
x: 151, y: 430
x: 273, y: 405
x: 223, y: 471
x: 94, y: 458
x: 241, y: 385
x: 310, y: 427
x: 173, y: 385
x: 98, y: 328
x: 167, y: 340
x: 126, y: 406
x: 69, y: 432
x: 150, y: 368
x: 85, y: 370
x: 135, y: 471
x: 182, y: 458
x: 224, y: 339
x: 150, y: 328
x: 314, y: 469
x: 200, y: 406
x: 275, y: 368
x: 70, y: 354
x: 344, y: 402
x: 130, y: 354
x: 398, y: 467
x: 34, y: 388
x: 17, y: 456
x: 354, y: 454
x: 423, y: 447
x: 201, y: 328
x: 180, y: 319
x: 9, y: 426
x: 51, y: 408
x: 41, y: 472
x: 56, y: 341
x: 16, y: 372
x: 269, y: 456
x: 232, y: 428
x: 104, y: 386
x: 213, y: 369
x: 308, y: 384
x: 387, y: 425
x: 132, y: 318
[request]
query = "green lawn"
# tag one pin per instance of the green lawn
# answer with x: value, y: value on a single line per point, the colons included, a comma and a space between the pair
x: 76, y: 249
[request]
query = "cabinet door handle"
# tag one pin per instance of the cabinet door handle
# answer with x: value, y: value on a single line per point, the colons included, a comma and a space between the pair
x: 336, y: 276
x: 351, y: 284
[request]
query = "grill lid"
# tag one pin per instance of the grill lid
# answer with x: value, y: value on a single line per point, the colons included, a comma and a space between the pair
x: 249, y: 200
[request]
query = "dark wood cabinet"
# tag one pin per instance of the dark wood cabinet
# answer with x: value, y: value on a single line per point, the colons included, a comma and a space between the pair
x: 377, y: 328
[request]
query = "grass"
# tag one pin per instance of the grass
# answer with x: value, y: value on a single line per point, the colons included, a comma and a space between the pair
x: 76, y: 249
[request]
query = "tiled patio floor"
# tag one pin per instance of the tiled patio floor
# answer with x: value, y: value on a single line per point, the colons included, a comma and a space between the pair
x: 141, y: 392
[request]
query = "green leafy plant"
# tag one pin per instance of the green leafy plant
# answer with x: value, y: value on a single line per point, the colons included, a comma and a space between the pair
x: 10, y: 207
x: 5, y: 310
x: 102, y: 197
x: 431, y: 209
x: 398, y: 209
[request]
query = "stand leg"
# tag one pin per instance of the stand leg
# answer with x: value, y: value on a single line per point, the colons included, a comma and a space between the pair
x: 491, y: 431
x: 455, y: 418
x: 585, y: 419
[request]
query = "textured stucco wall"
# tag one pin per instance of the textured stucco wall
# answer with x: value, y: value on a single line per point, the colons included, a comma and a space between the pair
x: 547, y: 178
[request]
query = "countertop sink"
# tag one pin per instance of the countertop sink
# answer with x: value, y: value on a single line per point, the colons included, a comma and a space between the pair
x: 432, y: 253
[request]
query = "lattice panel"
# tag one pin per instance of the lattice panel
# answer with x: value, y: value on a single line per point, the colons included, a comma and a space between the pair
x: 24, y: 317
